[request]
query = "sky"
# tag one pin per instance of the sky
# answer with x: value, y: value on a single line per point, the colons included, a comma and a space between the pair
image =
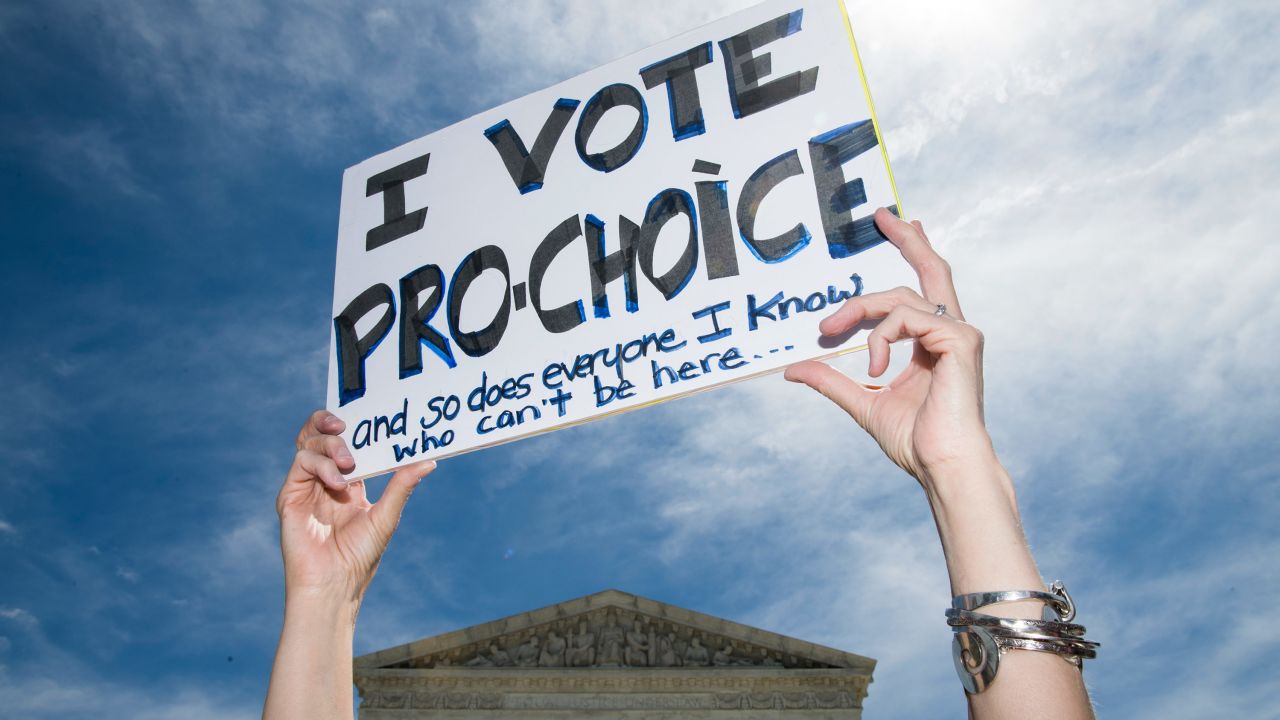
x: 1099, y: 174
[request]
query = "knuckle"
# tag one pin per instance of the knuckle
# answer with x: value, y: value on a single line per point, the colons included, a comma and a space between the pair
x: 930, y: 266
x: 308, y: 461
x: 902, y: 293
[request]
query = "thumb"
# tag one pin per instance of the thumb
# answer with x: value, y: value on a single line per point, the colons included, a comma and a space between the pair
x: 852, y: 396
x: 385, y: 514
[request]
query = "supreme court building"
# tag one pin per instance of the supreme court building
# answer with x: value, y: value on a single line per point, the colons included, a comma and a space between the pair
x: 611, y: 655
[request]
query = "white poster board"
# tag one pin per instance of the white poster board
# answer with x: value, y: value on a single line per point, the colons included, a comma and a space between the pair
x: 673, y: 221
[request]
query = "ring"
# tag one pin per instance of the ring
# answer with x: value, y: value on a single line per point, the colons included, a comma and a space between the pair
x: 942, y: 310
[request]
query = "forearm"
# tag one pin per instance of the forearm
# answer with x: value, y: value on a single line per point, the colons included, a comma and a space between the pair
x: 976, y: 512
x: 311, y: 677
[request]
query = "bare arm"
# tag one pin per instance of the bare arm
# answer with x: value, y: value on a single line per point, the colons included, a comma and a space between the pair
x: 929, y: 420
x: 332, y: 539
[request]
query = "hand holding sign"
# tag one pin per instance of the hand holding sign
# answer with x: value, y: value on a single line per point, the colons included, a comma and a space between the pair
x: 930, y: 415
x: 332, y: 537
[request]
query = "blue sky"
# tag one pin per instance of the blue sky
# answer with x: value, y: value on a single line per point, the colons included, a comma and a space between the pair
x: 1099, y: 176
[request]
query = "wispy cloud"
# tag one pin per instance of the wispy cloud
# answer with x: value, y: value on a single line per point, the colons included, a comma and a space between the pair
x: 91, y: 160
x: 18, y: 615
x: 72, y: 697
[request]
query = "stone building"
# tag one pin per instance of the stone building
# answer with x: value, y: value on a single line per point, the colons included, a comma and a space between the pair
x: 611, y: 655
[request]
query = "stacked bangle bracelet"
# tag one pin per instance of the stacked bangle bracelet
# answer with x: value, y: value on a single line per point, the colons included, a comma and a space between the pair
x: 980, y: 639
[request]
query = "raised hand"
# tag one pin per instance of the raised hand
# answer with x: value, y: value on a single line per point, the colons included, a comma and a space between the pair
x: 930, y: 415
x: 929, y: 421
x: 332, y: 537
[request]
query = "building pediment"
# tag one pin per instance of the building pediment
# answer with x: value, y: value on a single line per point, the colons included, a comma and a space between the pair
x: 611, y: 630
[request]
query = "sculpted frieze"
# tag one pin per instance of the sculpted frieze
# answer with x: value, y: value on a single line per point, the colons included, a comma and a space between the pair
x: 609, y: 638
x: 777, y: 700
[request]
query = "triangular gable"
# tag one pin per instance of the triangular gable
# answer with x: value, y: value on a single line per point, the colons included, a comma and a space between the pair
x: 611, y: 629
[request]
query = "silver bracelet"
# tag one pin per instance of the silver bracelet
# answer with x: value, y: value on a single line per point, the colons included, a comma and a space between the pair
x: 962, y: 618
x: 979, y: 640
x: 1056, y: 599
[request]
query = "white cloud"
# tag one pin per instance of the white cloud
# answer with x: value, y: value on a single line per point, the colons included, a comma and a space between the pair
x: 18, y: 615
x: 68, y: 696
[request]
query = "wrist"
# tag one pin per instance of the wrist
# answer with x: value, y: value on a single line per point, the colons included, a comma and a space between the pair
x: 334, y: 607
x: 977, y: 484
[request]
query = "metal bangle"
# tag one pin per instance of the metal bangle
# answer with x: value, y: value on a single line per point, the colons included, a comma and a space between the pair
x: 979, y: 640
x: 1066, y: 642
x: 1072, y: 654
x: 1055, y: 627
x: 976, y: 653
x: 977, y: 658
x: 1056, y: 598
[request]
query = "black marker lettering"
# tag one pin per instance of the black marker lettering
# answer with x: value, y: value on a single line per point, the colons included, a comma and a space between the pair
x: 610, y: 97
x: 353, y: 350
x: 528, y: 169
x: 717, y: 229
x: 395, y: 222
x: 744, y: 69
x: 665, y: 206
x: 837, y: 198
x: 567, y: 316
x: 483, y: 341
x: 763, y: 180
x: 414, y: 318
x: 677, y: 73
x: 620, y: 263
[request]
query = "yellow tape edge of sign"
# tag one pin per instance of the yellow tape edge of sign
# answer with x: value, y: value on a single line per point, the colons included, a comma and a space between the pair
x: 875, y: 121
x: 884, y: 153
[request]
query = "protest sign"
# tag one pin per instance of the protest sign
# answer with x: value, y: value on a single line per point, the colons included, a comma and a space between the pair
x: 673, y: 221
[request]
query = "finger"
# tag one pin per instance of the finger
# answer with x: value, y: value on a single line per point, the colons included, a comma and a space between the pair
x: 870, y: 306
x: 852, y: 396
x: 933, y: 271
x: 321, y: 422
x: 385, y: 514
x: 310, y: 465
x: 333, y: 446
x: 936, y: 334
